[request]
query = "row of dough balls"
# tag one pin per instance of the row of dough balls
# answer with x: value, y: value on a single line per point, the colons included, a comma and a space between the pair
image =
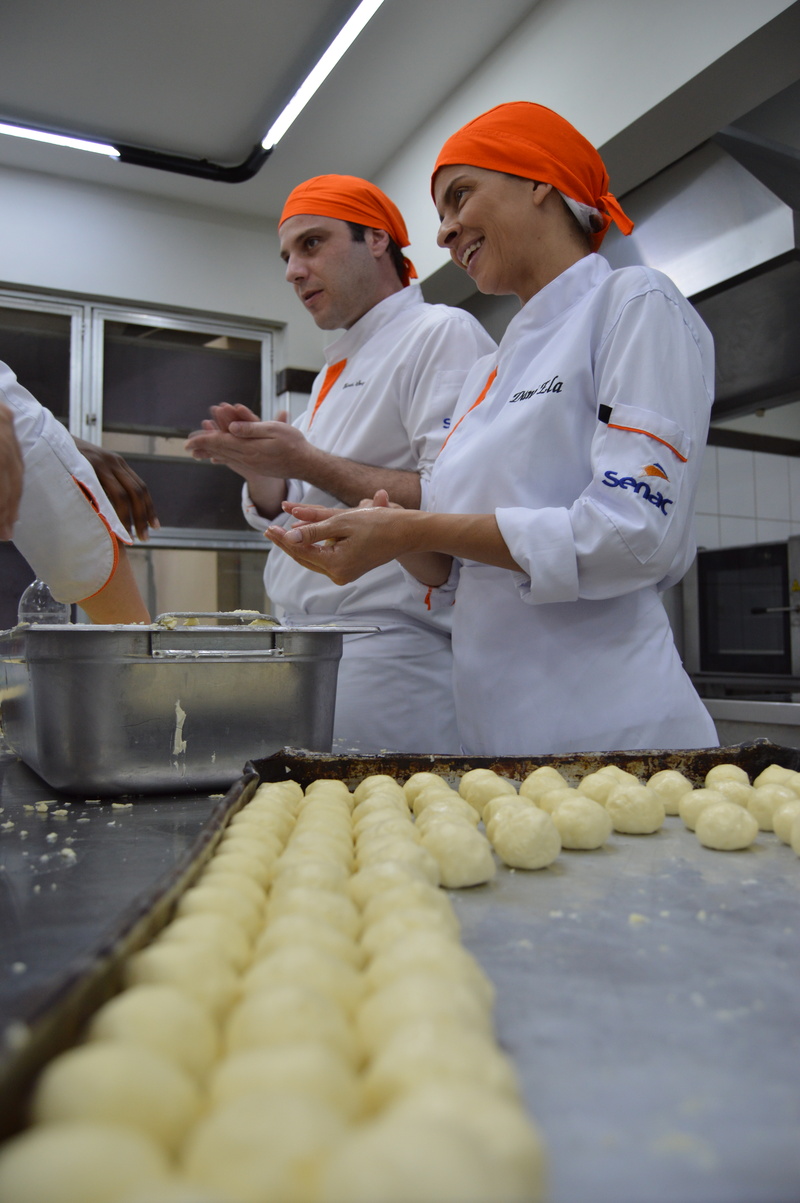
x: 308, y: 1028
x: 529, y: 828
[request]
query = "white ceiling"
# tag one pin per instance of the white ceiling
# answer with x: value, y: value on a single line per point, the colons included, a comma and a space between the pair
x: 205, y: 79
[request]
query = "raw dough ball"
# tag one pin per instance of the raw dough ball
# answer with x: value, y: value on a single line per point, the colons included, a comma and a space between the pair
x: 419, y: 996
x: 218, y: 932
x: 411, y: 1158
x: 118, y: 1083
x: 428, y: 952
x: 309, y: 1067
x: 495, y: 1122
x: 436, y: 1050
x: 199, y: 970
x: 726, y: 827
x: 163, y: 1019
x: 526, y: 838
x: 734, y: 791
x: 775, y: 774
x: 79, y: 1162
x: 316, y: 874
x: 384, y: 875
x: 505, y: 802
x: 549, y: 799
x: 330, y: 786
x: 582, y: 822
x: 478, y: 786
x: 463, y: 855
x: 311, y: 967
x: 765, y: 799
x: 337, y: 910
x: 692, y: 804
x: 448, y: 809
x: 253, y: 864
x: 599, y: 785
x: 285, y: 1014
x: 382, y: 934
x: 725, y: 772
x: 635, y: 810
x: 411, y: 894
x: 541, y: 779
x: 222, y: 900
x: 263, y: 1146
x: 430, y: 794
x: 377, y: 781
x: 304, y: 930
x: 405, y: 852
x: 783, y: 817
x: 418, y: 781
x: 670, y: 785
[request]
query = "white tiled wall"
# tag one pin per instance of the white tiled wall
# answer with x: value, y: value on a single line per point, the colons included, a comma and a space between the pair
x: 747, y: 497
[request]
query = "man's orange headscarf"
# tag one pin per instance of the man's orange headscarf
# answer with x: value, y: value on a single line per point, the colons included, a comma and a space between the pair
x: 532, y: 141
x: 350, y: 199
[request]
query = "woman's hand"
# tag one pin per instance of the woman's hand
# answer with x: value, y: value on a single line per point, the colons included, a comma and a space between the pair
x: 344, y: 544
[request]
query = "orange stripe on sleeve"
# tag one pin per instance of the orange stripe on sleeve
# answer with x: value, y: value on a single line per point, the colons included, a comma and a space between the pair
x: 650, y: 435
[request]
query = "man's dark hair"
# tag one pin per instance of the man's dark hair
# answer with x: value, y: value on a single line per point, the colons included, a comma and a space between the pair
x: 397, y: 256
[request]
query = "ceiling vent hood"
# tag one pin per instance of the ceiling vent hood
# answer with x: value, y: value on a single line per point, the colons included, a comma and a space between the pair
x: 723, y: 223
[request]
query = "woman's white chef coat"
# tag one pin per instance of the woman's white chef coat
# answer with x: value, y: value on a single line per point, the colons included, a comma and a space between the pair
x: 587, y: 448
x: 67, y: 529
x: 392, y: 405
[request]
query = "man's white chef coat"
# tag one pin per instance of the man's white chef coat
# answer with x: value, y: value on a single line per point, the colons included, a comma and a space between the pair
x: 587, y: 448
x: 67, y: 529
x: 391, y: 406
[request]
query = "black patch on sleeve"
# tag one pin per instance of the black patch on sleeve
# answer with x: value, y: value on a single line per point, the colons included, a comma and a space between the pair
x: 604, y: 414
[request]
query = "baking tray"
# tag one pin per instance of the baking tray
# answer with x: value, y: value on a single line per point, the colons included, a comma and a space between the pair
x: 135, y: 709
x: 583, y: 1004
x: 304, y: 766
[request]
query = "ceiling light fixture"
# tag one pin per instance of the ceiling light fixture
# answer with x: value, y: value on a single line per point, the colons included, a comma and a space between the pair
x: 141, y: 156
x: 37, y: 135
x: 340, y: 44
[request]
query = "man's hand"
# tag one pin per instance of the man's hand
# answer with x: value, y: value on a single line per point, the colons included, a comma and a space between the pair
x: 126, y: 491
x: 11, y: 472
x: 235, y: 436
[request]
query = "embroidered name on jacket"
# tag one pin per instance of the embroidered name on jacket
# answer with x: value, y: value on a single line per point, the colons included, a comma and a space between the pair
x: 554, y: 385
x: 640, y: 487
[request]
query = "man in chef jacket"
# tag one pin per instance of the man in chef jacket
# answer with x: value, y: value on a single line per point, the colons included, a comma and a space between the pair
x: 376, y: 418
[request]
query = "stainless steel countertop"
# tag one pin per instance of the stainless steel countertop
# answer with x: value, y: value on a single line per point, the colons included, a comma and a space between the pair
x: 649, y: 995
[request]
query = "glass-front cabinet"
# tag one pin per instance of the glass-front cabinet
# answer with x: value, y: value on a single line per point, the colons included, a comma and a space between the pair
x: 138, y: 382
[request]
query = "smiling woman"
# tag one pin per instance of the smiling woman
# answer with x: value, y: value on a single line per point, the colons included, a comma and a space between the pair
x: 543, y: 521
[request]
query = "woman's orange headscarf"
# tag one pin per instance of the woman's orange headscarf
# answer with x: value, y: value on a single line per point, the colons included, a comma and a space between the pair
x: 350, y: 199
x: 532, y: 141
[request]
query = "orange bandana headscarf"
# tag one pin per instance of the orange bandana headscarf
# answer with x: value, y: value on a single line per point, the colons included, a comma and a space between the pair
x: 350, y: 199
x: 532, y: 141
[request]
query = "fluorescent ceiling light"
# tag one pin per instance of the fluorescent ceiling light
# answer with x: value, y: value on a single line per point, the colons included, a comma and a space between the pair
x: 343, y: 40
x: 37, y: 135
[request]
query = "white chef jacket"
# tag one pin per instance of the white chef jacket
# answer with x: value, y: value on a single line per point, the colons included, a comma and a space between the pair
x: 587, y: 448
x: 67, y: 529
x: 391, y: 405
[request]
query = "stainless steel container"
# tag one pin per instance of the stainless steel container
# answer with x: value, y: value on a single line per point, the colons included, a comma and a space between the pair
x: 143, y: 709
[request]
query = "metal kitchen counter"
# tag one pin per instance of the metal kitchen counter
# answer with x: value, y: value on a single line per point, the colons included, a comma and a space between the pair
x: 648, y: 992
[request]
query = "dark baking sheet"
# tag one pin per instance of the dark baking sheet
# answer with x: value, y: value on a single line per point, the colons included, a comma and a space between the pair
x: 67, y: 923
